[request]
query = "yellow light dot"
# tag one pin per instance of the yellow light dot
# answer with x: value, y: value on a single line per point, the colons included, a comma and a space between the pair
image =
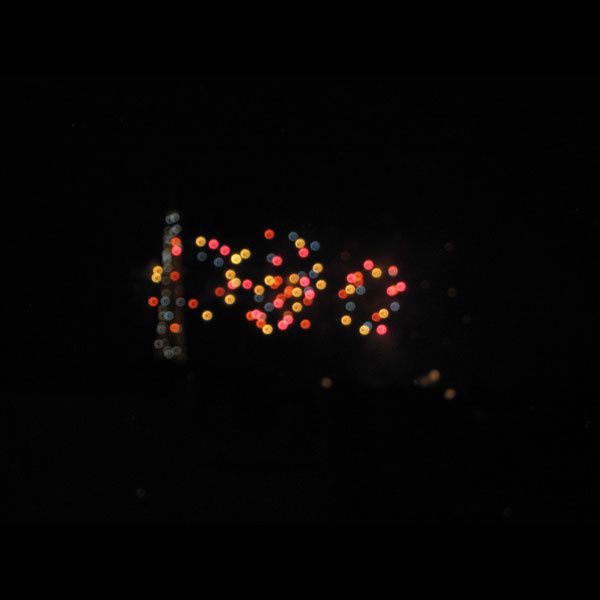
x: 377, y: 272
x: 236, y: 282
x: 267, y: 329
x: 364, y: 330
x: 229, y: 299
x: 269, y: 279
x: 236, y: 259
x: 300, y: 243
x: 317, y: 267
x: 297, y: 306
x: 259, y: 290
x: 229, y: 274
x: 245, y: 254
x: 346, y: 320
x: 321, y: 284
x: 350, y: 289
x: 157, y: 269
x: 384, y: 313
x: 293, y: 278
x: 207, y: 315
x: 200, y: 241
x: 297, y: 292
x: 156, y: 277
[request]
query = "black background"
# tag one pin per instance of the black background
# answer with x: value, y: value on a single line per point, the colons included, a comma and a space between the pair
x: 503, y: 167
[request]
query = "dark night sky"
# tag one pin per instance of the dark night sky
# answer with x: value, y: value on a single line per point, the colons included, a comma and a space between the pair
x: 502, y: 167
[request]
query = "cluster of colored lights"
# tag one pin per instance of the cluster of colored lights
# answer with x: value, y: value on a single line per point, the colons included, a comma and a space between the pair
x: 355, y: 290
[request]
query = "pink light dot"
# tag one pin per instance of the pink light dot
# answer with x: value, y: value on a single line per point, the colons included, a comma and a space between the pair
x: 368, y: 264
x: 278, y: 303
x: 381, y: 329
x: 225, y: 250
x: 351, y: 278
x: 176, y: 250
x: 277, y: 261
x: 303, y: 252
x: 401, y: 286
x: 282, y: 325
x: 393, y: 271
x: 310, y: 294
x: 304, y: 281
x: 213, y: 244
x: 288, y: 319
x: 247, y: 284
x: 392, y: 290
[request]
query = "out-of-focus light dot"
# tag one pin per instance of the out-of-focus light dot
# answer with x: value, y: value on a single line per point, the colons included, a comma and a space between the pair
x: 288, y: 317
x: 180, y: 302
x: 368, y: 265
x: 297, y: 292
x: 259, y: 289
x: 317, y: 267
x: 229, y: 299
x: 260, y: 323
x: 269, y: 279
x: 200, y: 241
x: 393, y: 271
x: 377, y: 272
x: 401, y: 286
x: 218, y: 262
x: 395, y: 306
x: 269, y: 234
x: 169, y: 315
x: 174, y: 327
x: 193, y: 303
x: 229, y: 274
x: 315, y: 246
x: 303, y: 252
x: 269, y: 307
x: 277, y: 261
x: 213, y: 244
x: 382, y: 329
x: 207, y: 315
x: 219, y: 292
x: 245, y: 254
x: 165, y: 301
x: 225, y: 250
x: 368, y: 324
x: 259, y: 298
x: 297, y: 306
x: 448, y: 246
x: 305, y: 324
x: 391, y: 290
x: 364, y: 330
x: 292, y: 236
x: 156, y: 277
x: 375, y: 317
x: 326, y: 383
x: 282, y: 325
x: 201, y: 256
x: 450, y: 394
x: 346, y: 320
x: 278, y: 303
x: 175, y: 241
x: 174, y: 276
x: 360, y: 290
x: 267, y: 329
x: 153, y: 301
x: 342, y: 294
x: 309, y: 293
x: 293, y: 278
x: 452, y: 293
x: 236, y: 259
x: 235, y: 283
x: 300, y: 243
x: 350, y: 278
x: 270, y: 257
x: 350, y: 306
x: 247, y: 284
x: 157, y: 269
x: 250, y: 315
x: 304, y: 281
x: 350, y: 289
x: 384, y: 313
x: 313, y: 274
x: 434, y: 375
x: 321, y: 284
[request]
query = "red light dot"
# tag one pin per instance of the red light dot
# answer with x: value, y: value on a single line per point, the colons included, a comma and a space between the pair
x: 247, y: 284
x: 342, y: 294
x: 250, y: 315
x: 375, y: 317
x: 305, y: 324
x: 401, y: 286
x: 153, y: 301
x: 176, y: 241
x: 269, y: 234
x: 213, y: 244
x: 193, y: 303
x: 307, y: 301
x: 174, y: 276
x: 278, y: 303
x: 282, y: 325
x: 382, y: 329
x: 219, y: 292
x: 174, y: 328
x: 225, y: 250
x: 303, y: 252
x: 277, y: 281
x: 368, y: 265
x: 176, y: 250
x: 277, y: 261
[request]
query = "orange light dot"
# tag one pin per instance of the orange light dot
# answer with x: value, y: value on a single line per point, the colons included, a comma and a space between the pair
x: 153, y: 301
x: 305, y: 324
x: 176, y: 241
x: 174, y: 327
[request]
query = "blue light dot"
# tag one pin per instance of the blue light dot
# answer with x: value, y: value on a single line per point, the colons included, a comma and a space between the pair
x: 258, y: 297
x: 395, y: 306
x: 269, y: 307
x: 202, y: 256
x: 270, y: 257
x: 361, y: 289
x: 219, y: 262
x: 292, y: 236
x: 314, y: 246
x: 350, y: 306
x: 313, y: 274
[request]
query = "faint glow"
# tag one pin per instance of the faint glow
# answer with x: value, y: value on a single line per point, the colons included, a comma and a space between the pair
x: 229, y: 299
x: 236, y: 259
x: 346, y: 320
x: 382, y: 329
x: 200, y: 241
x: 315, y: 246
x: 219, y: 292
x: 360, y: 290
x: 434, y: 375
x: 207, y: 315
x: 450, y: 394
x: 202, y: 256
x: 292, y: 236
x: 153, y: 301
x: 326, y: 383
x: 269, y: 234
x: 213, y: 244
x: 350, y: 306
x: 452, y: 293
